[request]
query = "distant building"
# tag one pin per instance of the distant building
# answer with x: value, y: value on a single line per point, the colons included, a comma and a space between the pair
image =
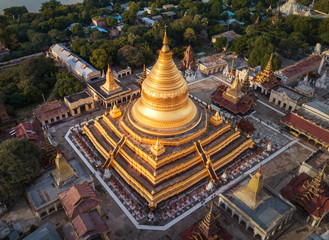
x: 73, y: 63
x: 43, y: 193
x: 295, y: 72
x: 121, y: 72
x: 46, y: 231
x: 157, y: 18
x: 291, y: 7
x: 305, y: 89
x: 51, y: 112
x: 168, y: 6
x: 230, y: 36
x: 310, y: 122
x: 147, y: 21
x: 212, y: 64
x: 169, y: 14
x: 5, y: 120
x: 79, y: 103
x: 99, y: 22
x: 311, y: 193
x: 256, y: 207
x: 287, y: 98
x: 111, y: 90
x: 3, y: 52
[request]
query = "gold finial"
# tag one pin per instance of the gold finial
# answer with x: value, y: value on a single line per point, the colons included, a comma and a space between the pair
x: 231, y: 73
x: 165, y: 38
x: 324, y: 167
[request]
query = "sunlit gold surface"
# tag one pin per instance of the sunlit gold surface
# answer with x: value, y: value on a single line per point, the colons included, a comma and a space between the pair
x: 110, y: 85
x: 164, y: 102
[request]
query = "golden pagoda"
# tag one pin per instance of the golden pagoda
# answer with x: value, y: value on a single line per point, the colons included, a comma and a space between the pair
x: 110, y: 85
x: 266, y: 79
x: 49, y: 155
x: 63, y: 173
x: 161, y: 143
x: 216, y: 120
x: 252, y: 194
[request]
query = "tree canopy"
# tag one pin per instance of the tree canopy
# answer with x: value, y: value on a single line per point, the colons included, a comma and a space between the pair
x: 66, y: 85
x: 130, y: 56
x: 19, y: 165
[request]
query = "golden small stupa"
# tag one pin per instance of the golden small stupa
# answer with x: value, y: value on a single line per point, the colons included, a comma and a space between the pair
x: 216, y: 120
x: 110, y: 85
x: 115, y: 112
x: 63, y: 173
x: 157, y: 149
x: 252, y: 194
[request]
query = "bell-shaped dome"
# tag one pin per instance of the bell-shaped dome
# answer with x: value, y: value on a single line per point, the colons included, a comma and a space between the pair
x: 164, y: 102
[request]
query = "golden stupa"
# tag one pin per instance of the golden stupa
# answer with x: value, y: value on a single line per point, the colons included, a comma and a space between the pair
x: 163, y: 143
x: 63, y: 173
x: 164, y: 107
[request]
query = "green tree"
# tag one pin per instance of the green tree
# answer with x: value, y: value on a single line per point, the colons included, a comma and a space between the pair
x: 19, y: 165
x: 130, y: 56
x: 189, y: 35
x: 111, y: 21
x: 220, y: 43
x: 56, y: 36
x: 77, y: 30
x: 77, y: 44
x: 100, y: 58
x: 15, y: 11
x: 130, y: 15
x: 66, y: 85
x: 216, y: 9
x: 322, y: 5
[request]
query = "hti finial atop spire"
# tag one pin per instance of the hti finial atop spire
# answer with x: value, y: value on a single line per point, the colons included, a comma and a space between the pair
x: 165, y: 38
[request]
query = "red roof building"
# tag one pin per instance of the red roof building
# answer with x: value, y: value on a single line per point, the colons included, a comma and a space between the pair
x: 78, y: 199
x: 28, y: 130
x: 51, y: 112
x: 291, y: 73
x: 300, y: 125
x: 84, y: 226
x: 233, y: 98
x: 310, y: 193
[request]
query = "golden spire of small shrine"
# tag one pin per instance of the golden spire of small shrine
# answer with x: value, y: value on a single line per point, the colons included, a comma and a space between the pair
x: 63, y: 172
x: 256, y: 182
x: 208, y: 224
x: 231, y: 73
x: 110, y: 85
x: 115, y: 112
x: 246, y: 82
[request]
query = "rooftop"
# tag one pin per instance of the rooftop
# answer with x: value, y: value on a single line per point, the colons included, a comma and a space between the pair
x: 46, y: 231
x: 322, y: 106
x: 50, y: 110
x: 77, y: 96
x: 304, y: 65
x: 74, y: 61
x: 269, y: 211
x: 230, y: 35
x: 290, y: 93
x: 212, y: 60
x: 44, y: 189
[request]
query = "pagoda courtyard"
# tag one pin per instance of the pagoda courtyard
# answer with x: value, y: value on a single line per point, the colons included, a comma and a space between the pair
x: 162, y: 153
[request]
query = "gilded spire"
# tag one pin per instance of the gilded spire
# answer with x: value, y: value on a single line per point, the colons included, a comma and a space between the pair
x: 208, y: 224
x: 115, y: 112
x: 50, y: 151
x: 110, y: 85
x: 165, y: 38
x: 256, y: 182
x: 63, y: 172
x: 157, y: 149
x: 231, y: 73
x: 234, y: 93
x: 216, y: 120
x: 143, y: 77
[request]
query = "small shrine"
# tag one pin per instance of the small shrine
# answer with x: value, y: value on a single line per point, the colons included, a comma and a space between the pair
x: 115, y: 112
x: 265, y: 80
x: 188, y: 60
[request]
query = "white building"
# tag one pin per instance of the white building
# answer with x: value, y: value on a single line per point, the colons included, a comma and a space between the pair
x: 73, y: 63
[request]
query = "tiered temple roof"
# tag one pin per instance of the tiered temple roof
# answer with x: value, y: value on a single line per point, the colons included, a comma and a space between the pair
x: 311, y: 193
x: 164, y: 115
x: 233, y: 98
x: 266, y: 79
x: 63, y: 173
x: 188, y: 59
